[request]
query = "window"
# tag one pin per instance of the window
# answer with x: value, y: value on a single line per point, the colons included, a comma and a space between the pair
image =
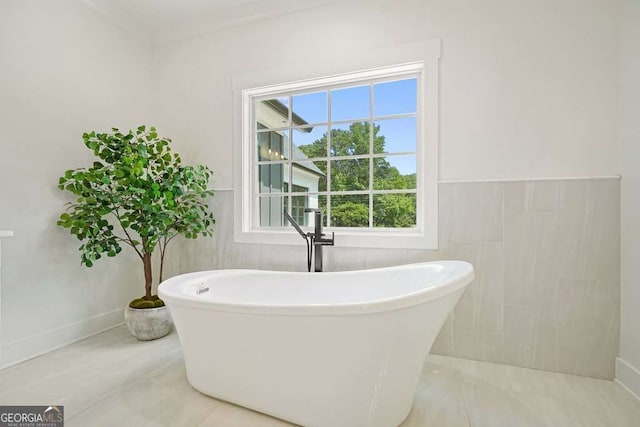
x: 352, y: 145
x: 349, y: 150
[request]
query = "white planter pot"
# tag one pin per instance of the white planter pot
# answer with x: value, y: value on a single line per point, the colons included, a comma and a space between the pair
x: 148, y: 323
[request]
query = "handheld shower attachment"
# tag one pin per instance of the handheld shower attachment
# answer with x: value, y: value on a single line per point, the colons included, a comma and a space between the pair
x: 304, y: 236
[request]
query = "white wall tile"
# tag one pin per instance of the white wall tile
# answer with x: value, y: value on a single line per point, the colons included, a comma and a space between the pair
x: 482, y: 346
x: 589, y: 229
x: 531, y: 258
x: 477, y: 212
x: 588, y: 326
x: 480, y: 307
x: 531, y: 337
x: 531, y: 196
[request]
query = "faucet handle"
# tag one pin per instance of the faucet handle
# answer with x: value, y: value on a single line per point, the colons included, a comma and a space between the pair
x: 326, y: 241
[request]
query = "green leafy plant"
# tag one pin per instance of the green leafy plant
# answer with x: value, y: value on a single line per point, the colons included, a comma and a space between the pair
x: 137, y: 194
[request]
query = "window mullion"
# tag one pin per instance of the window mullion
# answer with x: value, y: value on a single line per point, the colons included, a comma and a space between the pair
x: 289, y: 162
x: 371, y: 139
x: 329, y: 127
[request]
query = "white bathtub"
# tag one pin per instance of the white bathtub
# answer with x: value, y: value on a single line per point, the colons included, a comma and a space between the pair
x: 316, y: 349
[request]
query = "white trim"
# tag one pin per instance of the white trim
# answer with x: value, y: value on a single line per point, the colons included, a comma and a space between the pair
x: 420, y: 57
x: 335, y: 81
x: 338, y: 193
x: 44, y: 342
x: 3, y: 234
x: 336, y: 158
x: 627, y: 389
x: 568, y: 178
x: 468, y: 181
x: 628, y: 377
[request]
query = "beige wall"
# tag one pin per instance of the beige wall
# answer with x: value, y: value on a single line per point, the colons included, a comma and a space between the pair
x: 629, y: 111
x: 63, y: 70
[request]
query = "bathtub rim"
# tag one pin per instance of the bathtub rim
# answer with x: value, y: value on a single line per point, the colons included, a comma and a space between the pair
x: 463, y: 276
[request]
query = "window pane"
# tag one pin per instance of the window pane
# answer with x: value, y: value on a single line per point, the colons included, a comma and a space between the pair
x: 298, y: 205
x: 309, y: 176
x: 350, y: 103
x: 349, y: 139
x: 350, y: 175
x: 271, y: 211
x: 273, y: 145
x: 394, y: 173
x: 350, y: 210
x: 322, y: 205
x: 272, y: 178
x: 397, y: 97
x: 395, y: 135
x: 394, y: 210
x: 310, y: 142
x: 272, y: 113
x: 310, y: 108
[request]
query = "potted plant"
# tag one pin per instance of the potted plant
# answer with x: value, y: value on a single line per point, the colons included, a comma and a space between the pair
x: 136, y: 194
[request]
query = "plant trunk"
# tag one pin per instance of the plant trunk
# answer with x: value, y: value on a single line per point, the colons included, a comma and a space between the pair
x: 160, y: 277
x: 148, y: 279
x: 162, y: 249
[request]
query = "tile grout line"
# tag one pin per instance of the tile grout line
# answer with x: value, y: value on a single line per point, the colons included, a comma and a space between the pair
x: 504, y: 281
x: 559, y: 272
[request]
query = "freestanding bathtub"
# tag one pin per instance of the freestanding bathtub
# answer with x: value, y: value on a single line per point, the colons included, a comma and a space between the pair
x: 341, y: 349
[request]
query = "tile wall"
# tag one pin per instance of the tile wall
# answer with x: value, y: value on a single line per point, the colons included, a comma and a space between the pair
x: 547, y: 288
x: 546, y: 254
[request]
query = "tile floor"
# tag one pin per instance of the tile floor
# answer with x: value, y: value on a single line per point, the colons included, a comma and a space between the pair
x: 113, y: 380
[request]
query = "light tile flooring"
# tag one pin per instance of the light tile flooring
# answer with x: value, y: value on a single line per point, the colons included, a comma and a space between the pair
x: 113, y: 380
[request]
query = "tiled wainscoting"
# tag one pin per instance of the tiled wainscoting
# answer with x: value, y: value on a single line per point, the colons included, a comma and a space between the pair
x: 547, y: 288
x: 546, y: 254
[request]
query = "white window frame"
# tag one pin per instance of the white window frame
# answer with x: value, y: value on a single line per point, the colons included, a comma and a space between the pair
x: 423, y: 236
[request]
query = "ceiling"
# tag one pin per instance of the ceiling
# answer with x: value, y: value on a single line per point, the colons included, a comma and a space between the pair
x: 166, y: 20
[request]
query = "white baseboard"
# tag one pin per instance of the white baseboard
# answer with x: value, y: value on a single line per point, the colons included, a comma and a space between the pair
x: 628, y: 377
x: 18, y: 351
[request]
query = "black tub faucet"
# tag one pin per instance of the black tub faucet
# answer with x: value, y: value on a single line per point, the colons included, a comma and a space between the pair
x: 315, y: 240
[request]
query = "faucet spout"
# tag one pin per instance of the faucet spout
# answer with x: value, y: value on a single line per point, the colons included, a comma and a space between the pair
x: 295, y: 224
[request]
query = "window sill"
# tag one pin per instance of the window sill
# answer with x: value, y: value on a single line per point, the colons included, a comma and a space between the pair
x: 386, y: 239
